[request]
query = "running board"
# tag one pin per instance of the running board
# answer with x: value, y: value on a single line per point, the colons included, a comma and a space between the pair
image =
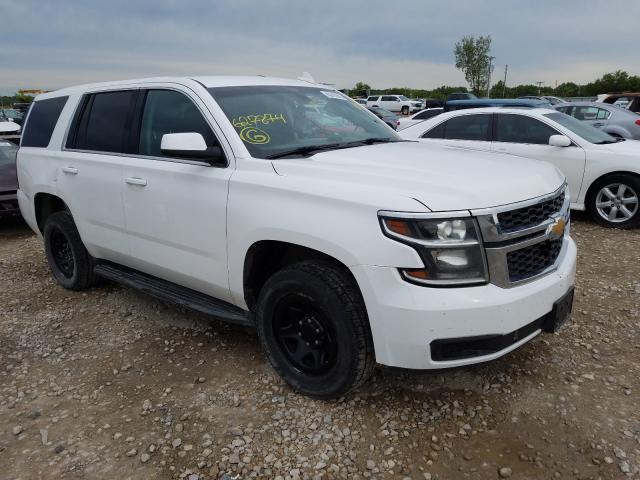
x: 171, y: 292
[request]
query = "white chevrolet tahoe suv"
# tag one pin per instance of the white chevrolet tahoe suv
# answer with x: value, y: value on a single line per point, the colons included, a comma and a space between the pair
x: 283, y: 205
x: 395, y: 103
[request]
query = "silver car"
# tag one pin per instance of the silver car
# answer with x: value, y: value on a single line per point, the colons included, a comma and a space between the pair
x: 614, y: 120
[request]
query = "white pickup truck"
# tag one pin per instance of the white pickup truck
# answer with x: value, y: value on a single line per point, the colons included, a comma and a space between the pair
x: 283, y: 205
x: 395, y: 103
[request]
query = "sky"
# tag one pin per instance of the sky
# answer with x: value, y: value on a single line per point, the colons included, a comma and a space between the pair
x: 409, y: 43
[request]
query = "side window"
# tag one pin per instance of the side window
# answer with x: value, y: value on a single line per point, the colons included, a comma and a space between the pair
x: 602, y: 114
x: 105, y: 122
x: 42, y: 120
x: 388, y: 98
x: 566, y: 110
x: 372, y: 99
x: 168, y: 111
x: 522, y: 129
x: 468, y: 127
x: 435, y: 132
x: 586, y: 113
x: 425, y: 115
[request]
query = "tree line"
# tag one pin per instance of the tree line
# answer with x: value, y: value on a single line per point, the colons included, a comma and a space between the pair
x: 614, y: 82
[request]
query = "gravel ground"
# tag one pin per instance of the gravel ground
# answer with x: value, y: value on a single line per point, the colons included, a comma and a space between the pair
x: 111, y: 384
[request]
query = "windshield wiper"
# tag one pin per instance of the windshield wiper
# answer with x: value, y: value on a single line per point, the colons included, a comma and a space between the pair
x: 309, y: 149
x: 607, y: 142
x: 305, y: 150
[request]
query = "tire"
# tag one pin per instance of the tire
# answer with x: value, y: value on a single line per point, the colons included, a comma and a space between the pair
x: 315, y: 302
x: 69, y: 261
x: 614, y: 201
x: 405, y: 110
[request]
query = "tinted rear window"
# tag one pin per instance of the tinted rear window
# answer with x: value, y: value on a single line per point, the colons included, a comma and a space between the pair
x: 42, y: 120
x: 105, y: 122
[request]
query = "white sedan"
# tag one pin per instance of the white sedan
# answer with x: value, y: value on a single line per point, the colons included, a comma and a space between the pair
x: 421, y: 116
x: 603, y: 172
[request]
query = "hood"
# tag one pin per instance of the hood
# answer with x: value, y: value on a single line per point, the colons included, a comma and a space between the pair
x: 441, y: 178
x: 629, y: 147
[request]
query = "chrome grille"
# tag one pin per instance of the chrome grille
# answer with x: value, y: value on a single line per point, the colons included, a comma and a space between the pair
x: 529, y: 216
x: 532, y: 260
x: 524, y: 241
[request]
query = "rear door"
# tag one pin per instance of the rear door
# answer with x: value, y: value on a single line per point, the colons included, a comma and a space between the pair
x: 175, y: 208
x: 468, y: 131
x: 594, y: 116
x: 390, y: 102
x: 525, y: 136
x: 90, y: 171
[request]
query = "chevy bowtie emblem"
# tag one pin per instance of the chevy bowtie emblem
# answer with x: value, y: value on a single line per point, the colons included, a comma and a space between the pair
x: 557, y: 229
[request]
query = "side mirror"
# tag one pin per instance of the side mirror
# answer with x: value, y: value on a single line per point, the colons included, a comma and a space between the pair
x: 190, y: 145
x: 559, y: 141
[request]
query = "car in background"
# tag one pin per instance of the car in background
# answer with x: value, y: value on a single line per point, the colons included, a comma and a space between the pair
x: 386, y: 116
x: 461, y: 96
x: 432, y: 103
x: 421, y: 116
x: 548, y: 98
x: 394, y: 103
x: 616, y: 121
x: 8, y: 180
x: 628, y: 100
x: 603, y: 172
x: 494, y: 102
x: 361, y: 101
x: 11, y: 115
x: 10, y: 131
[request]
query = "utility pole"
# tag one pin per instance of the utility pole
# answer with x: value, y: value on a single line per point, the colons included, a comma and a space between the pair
x: 539, y: 86
x: 504, y: 84
x: 491, y: 59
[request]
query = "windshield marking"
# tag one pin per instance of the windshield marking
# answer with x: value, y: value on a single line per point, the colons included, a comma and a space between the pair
x: 250, y: 133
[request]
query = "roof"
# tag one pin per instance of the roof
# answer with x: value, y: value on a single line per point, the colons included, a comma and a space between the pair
x: 498, y: 101
x: 207, y: 81
x: 539, y: 110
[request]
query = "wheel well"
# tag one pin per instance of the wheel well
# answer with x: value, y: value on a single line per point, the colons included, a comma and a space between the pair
x: 266, y: 257
x: 45, y: 204
x: 590, y: 190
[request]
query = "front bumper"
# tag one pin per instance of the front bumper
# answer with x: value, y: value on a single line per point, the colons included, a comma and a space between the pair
x: 405, y: 319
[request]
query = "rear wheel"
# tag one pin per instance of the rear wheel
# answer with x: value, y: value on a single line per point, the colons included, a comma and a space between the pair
x: 313, y: 327
x: 405, y: 110
x: 614, y: 201
x: 69, y: 261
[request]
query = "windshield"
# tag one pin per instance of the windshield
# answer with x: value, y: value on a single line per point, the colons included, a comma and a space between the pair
x: 273, y: 120
x: 584, y: 130
x: 13, y: 113
x: 403, y: 98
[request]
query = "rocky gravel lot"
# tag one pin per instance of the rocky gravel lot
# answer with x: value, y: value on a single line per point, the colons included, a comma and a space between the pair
x: 112, y: 384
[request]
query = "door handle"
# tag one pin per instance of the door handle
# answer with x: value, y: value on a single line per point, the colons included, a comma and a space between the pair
x: 70, y: 170
x: 598, y: 124
x: 136, y: 181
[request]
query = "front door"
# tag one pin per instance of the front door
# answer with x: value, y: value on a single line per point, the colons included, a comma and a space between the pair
x: 529, y: 137
x: 176, y: 209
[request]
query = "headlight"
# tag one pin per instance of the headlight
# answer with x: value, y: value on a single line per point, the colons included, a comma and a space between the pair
x: 449, y: 247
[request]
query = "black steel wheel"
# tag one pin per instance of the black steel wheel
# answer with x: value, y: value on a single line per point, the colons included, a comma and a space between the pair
x: 304, y: 334
x: 69, y: 261
x: 313, y: 326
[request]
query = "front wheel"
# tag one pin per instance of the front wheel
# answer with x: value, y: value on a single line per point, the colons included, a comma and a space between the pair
x: 405, y: 110
x: 614, y: 201
x: 313, y: 326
